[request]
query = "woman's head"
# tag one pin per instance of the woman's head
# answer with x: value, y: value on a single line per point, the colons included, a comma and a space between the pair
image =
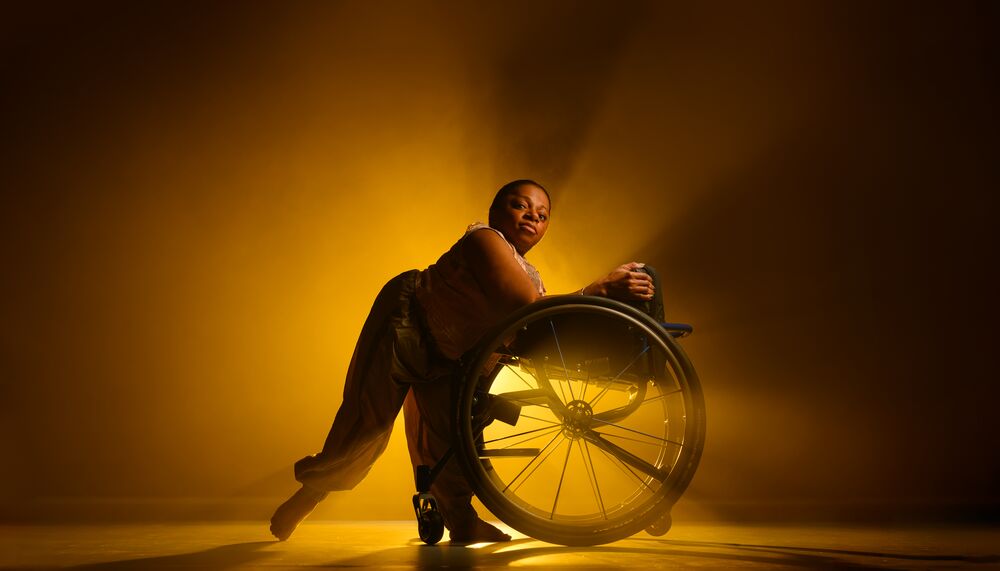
x: 520, y: 210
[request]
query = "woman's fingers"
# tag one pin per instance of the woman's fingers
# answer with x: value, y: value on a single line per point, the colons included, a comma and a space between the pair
x: 646, y: 283
x: 639, y: 286
x: 641, y: 277
x: 641, y: 280
x: 631, y: 266
x: 634, y: 266
x: 627, y: 282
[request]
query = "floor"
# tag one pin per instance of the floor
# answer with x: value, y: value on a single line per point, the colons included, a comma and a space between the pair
x: 393, y: 545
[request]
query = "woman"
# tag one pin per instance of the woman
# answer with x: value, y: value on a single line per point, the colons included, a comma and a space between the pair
x: 419, y: 324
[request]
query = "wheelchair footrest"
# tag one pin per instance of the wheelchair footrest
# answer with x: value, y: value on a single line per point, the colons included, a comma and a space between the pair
x: 503, y: 452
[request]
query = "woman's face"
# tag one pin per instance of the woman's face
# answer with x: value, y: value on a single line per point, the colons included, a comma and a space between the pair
x: 523, y: 217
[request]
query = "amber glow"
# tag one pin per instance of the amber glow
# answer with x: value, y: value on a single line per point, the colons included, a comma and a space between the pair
x: 573, y: 477
x: 199, y: 209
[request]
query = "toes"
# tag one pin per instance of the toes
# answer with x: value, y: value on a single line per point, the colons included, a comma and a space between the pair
x: 480, y: 531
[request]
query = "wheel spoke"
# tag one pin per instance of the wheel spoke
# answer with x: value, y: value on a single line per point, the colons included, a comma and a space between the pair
x: 543, y: 381
x: 541, y: 419
x: 660, y: 396
x: 588, y: 463
x: 530, y: 462
x: 561, y: 478
x: 636, y: 432
x: 513, y: 370
x: 620, y: 373
x: 543, y: 376
x: 626, y: 470
x: 624, y: 455
x: 619, y: 436
x: 520, y: 434
x: 508, y: 452
x: 537, y: 466
x: 562, y: 360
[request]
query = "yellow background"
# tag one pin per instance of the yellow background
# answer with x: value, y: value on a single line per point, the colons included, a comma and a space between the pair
x: 201, y: 202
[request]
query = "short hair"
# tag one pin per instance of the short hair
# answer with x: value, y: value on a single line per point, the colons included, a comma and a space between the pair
x: 511, y: 187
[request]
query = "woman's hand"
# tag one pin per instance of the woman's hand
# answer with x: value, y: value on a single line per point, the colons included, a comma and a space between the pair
x: 624, y: 283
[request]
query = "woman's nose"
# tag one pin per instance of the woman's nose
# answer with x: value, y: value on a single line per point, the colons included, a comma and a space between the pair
x: 531, y: 216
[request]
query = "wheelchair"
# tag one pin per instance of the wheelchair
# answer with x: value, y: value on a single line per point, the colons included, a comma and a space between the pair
x: 579, y: 421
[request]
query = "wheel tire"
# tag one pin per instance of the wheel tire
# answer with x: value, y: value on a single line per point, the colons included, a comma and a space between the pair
x: 430, y: 525
x: 632, y: 513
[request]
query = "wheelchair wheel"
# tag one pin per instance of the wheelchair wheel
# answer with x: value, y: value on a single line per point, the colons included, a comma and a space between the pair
x: 430, y: 527
x: 660, y: 526
x: 430, y: 523
x: 580, y: 421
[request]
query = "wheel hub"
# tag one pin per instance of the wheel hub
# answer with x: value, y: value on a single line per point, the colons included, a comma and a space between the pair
x: 577, y: 419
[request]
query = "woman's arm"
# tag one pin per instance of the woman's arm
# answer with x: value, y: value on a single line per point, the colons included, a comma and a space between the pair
x: 624, y: 283
x: 492, y: 262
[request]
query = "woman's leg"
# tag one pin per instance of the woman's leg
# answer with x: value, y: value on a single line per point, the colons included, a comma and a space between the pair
x: 363, y: 424
x: 427, y: 411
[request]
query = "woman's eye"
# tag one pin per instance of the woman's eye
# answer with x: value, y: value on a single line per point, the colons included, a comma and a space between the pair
x: 518, y: 205
x: 542, y: 217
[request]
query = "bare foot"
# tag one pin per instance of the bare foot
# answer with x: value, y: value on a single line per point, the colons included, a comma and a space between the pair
x: 290, y: 514
x: 478, y: 532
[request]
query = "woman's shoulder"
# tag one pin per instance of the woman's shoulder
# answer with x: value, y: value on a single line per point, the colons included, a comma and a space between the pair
x: 482, y: 243
x: 485, y: 236
x: 477, y: 226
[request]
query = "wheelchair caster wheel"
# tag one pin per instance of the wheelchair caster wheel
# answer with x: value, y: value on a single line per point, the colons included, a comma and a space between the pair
x: 660, y: 525
x: 430, y: 523
x: 431, y: 527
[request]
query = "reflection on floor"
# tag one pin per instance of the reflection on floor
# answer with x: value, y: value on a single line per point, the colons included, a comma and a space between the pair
x: 393, y: 545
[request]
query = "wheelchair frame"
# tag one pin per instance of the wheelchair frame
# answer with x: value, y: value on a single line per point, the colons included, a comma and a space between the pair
x: 658, y: 465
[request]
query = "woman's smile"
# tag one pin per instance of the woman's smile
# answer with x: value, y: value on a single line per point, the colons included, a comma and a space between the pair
x: 523, y: 217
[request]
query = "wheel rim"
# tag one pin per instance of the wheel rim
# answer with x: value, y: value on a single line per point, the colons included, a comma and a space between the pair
x: 581, y: 456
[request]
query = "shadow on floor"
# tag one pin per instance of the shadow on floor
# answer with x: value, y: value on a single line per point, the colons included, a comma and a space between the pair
x: 222, y: 557
x: 711, y: 554
x: 635, y: 553
x: 833, y: 552
x: 826, y: 552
